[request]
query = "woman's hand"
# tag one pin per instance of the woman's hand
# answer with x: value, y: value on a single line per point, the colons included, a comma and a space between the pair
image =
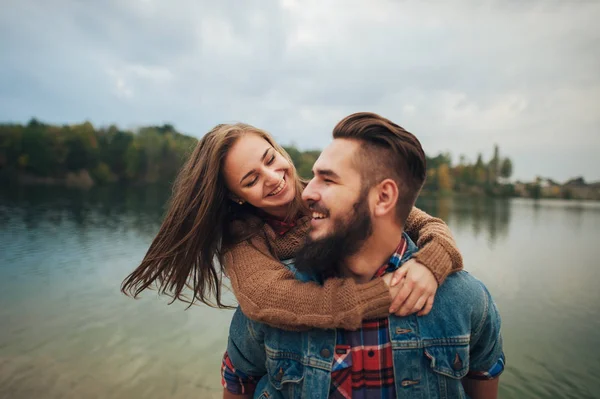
x: 413, y: 287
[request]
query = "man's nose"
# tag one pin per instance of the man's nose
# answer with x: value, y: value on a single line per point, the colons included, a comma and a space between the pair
x: 310, y: 193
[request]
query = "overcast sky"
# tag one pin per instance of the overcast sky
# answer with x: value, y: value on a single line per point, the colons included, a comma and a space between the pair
x: 461, y: 75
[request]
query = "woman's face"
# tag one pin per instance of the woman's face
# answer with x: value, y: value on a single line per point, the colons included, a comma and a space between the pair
x: 256, y: 173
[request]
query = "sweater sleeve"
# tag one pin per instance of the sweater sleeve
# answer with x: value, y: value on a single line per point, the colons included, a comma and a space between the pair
x: 437, y: 248
x: 270, y: 293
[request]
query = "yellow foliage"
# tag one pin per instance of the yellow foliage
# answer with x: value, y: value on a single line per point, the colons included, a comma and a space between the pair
x: 444, y: 178
x: 23, y: 160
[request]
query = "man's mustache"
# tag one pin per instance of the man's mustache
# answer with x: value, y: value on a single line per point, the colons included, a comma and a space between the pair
x: 315, y: 207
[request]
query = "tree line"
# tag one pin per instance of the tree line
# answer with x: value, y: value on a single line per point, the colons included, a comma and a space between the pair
x: 480, y: 177
x: 151, y: 154
x: 156, y: 153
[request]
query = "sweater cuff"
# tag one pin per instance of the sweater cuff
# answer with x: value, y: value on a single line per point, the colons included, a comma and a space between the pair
x: 375, y: 299
x: 435, y: 257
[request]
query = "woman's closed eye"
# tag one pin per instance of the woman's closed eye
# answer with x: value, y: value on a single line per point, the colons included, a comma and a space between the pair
x: 253, y: 182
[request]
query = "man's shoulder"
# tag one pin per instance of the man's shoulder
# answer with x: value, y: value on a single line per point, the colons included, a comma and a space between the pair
x: 462, y: 304
x: 245, y: 329
x: 465, y: 289
x: 464, y: 280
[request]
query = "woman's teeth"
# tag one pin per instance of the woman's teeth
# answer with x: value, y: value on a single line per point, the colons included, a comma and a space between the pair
x: 280, y: 187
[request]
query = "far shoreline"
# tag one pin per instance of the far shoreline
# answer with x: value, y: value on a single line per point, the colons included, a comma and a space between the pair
x: 83, y: 181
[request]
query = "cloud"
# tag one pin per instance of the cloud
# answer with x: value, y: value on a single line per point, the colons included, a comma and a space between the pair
x: 462, y: 76
x: 149, y: 76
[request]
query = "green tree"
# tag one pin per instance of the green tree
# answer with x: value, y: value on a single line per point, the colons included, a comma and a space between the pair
x: 440, y: 159
x: 11, y: 140
x: 494, y: 166
x: 303, y: 160
x: 133, y: 161
x: 36, y: 147
x: 113, y: 145
x: 506, y: 169
x: 479, y: 172
x: 82, y: 147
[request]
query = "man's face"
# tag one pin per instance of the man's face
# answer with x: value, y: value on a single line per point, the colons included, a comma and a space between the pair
x: 341, y: 217
x: 334, y: 189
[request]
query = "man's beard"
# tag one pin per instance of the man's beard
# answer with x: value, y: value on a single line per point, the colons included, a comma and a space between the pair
x: 324, y: 257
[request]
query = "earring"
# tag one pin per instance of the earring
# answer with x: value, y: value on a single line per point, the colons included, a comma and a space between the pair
x: 238, y: 201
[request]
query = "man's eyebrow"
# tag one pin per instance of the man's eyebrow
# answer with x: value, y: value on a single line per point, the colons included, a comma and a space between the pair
x: 326, y: 173
x: 264, y: 155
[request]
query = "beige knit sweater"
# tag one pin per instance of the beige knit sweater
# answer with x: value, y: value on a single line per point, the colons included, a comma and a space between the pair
x: 269, y: 293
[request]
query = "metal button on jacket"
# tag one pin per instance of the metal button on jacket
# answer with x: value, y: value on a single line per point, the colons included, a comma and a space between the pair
x: 279, y: 375
x: 457, y: 364
x: 325, y: 352
x: 407, y: 383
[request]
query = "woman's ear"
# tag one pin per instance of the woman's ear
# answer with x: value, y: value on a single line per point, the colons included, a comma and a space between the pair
x: 236, y: 199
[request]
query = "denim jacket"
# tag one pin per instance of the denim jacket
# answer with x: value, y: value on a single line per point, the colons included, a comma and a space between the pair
x: 431, y: 354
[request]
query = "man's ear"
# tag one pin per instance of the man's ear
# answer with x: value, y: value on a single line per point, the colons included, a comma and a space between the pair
x: 386, y: 197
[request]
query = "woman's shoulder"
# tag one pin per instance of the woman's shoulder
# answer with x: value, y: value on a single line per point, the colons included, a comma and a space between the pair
x: 241, y: 228
x: 242, y: 222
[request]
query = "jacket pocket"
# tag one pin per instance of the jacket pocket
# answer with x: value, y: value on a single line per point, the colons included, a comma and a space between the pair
x: 449, y: 365
x: 449, y: 360
x: 285, y: 374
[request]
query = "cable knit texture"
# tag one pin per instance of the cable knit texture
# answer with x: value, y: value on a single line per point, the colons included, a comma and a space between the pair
x: 268, y: 292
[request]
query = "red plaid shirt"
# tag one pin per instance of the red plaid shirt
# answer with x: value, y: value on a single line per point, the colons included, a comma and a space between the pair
x: 363, y: 361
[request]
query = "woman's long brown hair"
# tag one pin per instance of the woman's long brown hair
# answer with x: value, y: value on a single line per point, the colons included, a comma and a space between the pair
x: 196, y: 231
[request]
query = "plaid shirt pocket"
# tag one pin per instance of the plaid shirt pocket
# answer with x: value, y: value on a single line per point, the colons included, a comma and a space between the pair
x: 342, y: 359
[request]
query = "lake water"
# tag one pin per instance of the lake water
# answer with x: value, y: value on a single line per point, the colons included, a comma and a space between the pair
x: 67, y: 332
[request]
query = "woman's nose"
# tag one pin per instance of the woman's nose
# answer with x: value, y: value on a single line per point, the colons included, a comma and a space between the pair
x: 272, y: 177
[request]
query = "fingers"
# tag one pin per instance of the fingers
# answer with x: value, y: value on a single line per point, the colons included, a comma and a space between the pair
x: 387, y: 278
x: 405, y: 311
x: 399, y: 274
x: 419, y: 304
x: 415, y: 286
x: 402, y: 295
x: 410, y: 305
x: 428, y: 306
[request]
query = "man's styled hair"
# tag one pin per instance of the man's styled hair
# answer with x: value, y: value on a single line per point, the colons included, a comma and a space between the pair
x: 386, y: 151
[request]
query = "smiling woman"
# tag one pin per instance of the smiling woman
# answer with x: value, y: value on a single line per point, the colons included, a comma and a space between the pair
x: 264, y: 178
x: 237, y: 210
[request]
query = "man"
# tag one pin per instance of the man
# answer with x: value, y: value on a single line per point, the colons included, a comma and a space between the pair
x: 366, y: 181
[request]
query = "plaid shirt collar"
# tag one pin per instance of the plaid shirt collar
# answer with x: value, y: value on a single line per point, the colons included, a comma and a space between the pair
x: 279, y: 226
x: 394, y: 262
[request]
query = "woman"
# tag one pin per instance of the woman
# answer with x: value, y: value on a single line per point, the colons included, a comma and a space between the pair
x: 236, y: 210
